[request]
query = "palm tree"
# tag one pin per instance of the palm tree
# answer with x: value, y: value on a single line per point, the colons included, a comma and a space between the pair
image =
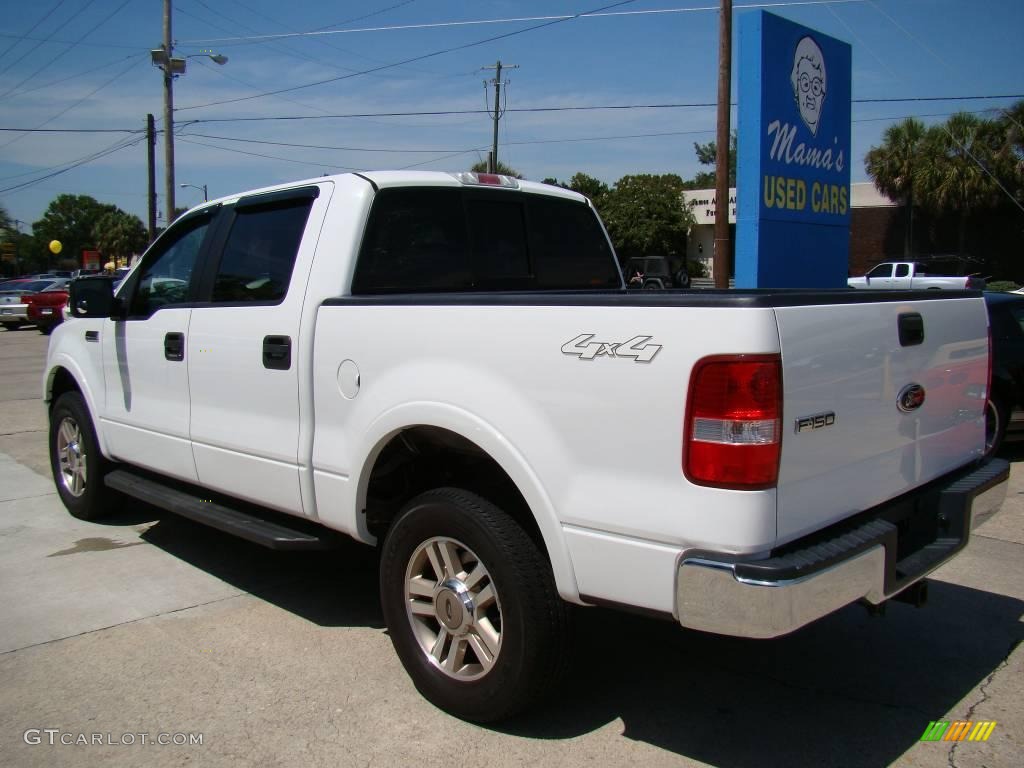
x: 954, y: 174
x: 892, y: 168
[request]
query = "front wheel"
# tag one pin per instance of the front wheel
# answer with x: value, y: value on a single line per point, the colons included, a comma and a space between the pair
x: 471, y: 606
x: 75, y: 459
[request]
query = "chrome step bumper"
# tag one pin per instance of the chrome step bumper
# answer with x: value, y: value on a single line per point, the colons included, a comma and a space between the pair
x: 874, y: 557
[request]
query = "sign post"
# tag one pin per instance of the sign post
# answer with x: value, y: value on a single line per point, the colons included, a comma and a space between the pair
x: 793, y: 223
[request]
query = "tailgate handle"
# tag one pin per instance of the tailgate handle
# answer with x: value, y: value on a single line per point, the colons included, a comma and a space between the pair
x: 911, y: 327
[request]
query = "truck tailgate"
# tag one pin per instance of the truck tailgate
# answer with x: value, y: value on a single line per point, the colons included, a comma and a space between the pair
x: 847, y: 442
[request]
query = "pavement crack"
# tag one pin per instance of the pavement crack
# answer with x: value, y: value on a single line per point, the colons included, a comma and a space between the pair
x: 125, y: 623
x: 983, y: 690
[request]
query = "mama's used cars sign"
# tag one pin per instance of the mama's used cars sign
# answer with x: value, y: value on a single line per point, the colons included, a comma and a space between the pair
x: 793, y: 225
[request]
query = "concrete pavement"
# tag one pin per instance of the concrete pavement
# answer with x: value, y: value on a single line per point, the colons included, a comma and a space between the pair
x: 149, y: 624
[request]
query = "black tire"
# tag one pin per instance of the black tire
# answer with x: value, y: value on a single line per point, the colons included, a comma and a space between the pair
x: 525, y: 621
x: 76, y: 462
x: 997, y: 416
x: 654, y: 285
x: 12, y: 326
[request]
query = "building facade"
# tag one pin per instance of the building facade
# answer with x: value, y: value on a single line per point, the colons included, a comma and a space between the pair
x: 876, y: 227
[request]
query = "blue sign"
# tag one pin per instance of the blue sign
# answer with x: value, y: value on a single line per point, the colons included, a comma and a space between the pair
x: 793, y: 174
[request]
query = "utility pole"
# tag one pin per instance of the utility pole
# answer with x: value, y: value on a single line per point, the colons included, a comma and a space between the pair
x: 168, y: 119
x: 151, y: 167
x: 721, y: 256
x: 492, y: 162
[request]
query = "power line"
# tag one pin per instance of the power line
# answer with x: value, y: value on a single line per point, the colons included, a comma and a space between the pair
x: 82, y: 43
x: 405, y: 61
x: 59, y: 56
x: 33, y: 28
x: 67, y: 109
x: 598, y: 13
x: 47, y: 39
x: 116, y: 147
x: 458, y: 112
x: 74, y: 76
x: 268, y: 157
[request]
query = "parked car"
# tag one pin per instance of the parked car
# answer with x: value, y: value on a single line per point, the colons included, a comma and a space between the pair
x: 654, y: 273
x: 1005, y: 414
x: 45, y: 309
x: 13, y: 305
x: 911, y: 275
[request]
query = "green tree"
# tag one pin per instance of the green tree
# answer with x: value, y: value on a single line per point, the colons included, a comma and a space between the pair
x: 590, y: 187
x: 504, y: 170
x: 71, y: 219
x: 892, y: 168
x: 707, y: 154
x: 119, y: 235
x: 644, y: 215
x: 954, y: 175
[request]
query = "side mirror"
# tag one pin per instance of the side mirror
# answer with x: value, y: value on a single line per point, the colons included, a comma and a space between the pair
x: 93, y: 297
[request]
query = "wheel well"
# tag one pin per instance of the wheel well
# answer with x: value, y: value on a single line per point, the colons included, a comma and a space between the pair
x: 62, y: 381
x: 421, y: 458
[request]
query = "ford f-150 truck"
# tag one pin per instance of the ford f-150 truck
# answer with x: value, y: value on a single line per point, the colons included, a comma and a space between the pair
x: 911, y: 275
x: 446, y: 366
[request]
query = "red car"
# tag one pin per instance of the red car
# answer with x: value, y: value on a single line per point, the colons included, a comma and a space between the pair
x: 46, y: 308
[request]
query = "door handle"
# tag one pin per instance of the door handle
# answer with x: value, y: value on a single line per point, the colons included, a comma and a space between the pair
x: 277, y: 352
x: 174, y: 347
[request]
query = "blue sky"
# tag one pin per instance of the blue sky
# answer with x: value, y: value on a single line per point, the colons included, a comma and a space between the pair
x: 901, y: 49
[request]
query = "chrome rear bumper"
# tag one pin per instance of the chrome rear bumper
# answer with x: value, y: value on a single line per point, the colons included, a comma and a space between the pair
x: 869, y: 560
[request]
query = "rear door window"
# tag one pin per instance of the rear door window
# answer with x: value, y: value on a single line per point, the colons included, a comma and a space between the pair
x: 450, y: 239
x: 259, y: 254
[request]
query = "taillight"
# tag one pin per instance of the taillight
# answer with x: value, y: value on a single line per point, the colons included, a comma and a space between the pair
x: 733, y: 430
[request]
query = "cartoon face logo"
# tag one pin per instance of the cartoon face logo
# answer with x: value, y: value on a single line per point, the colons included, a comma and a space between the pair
x: 809, y: 81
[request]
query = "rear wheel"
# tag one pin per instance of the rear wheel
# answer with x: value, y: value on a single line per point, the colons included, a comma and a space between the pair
x: 12, y: 326
x: 75, y: 459
x: 471, y: 606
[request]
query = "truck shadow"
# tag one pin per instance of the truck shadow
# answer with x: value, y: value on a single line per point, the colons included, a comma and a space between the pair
x: 851, y: 689
x: 335, y: 588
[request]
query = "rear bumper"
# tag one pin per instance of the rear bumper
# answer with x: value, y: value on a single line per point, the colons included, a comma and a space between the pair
x: 873, y: 556
x: 13, y: 313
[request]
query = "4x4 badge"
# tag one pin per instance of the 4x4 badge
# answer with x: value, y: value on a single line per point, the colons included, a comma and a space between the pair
x: 636, y: 348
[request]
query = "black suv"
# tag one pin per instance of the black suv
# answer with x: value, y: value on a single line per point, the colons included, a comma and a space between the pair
x: 654, y: 274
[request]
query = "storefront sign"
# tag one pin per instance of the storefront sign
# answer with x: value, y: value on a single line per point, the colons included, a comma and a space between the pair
x: 793, y: 227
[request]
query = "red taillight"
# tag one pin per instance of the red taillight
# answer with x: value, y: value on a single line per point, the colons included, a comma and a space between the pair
x: 733, y: 432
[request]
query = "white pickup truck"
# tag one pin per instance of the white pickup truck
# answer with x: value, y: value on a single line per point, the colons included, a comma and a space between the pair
x: 912, y: 275
x: 448, y: 367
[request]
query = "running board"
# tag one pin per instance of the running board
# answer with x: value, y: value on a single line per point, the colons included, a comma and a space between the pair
x: 213, y: 514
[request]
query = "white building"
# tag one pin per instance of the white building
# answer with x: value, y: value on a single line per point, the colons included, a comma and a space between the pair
x: 701, y: 242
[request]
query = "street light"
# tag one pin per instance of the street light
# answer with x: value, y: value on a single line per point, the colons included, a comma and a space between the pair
x: 195, y: 186
x: 172, y: 66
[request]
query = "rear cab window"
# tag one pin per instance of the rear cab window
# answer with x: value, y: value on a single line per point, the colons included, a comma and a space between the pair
x: 431, y: 239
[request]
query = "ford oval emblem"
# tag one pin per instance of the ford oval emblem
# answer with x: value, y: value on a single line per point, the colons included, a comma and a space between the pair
x: 911, y: 398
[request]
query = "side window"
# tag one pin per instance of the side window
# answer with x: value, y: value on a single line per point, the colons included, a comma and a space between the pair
x: 902, y: 270
x: 882, y: 270
x: 256, y: 265
x: 165, y: 278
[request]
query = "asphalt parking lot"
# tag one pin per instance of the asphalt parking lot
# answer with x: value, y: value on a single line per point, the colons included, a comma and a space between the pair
x: 149, y: 624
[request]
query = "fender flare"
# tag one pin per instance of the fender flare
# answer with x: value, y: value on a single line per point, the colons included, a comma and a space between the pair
x: 65, y: 361
x: 498, y: 448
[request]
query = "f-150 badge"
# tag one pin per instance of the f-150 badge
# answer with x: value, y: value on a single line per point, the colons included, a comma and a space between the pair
x: 636, y: 348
